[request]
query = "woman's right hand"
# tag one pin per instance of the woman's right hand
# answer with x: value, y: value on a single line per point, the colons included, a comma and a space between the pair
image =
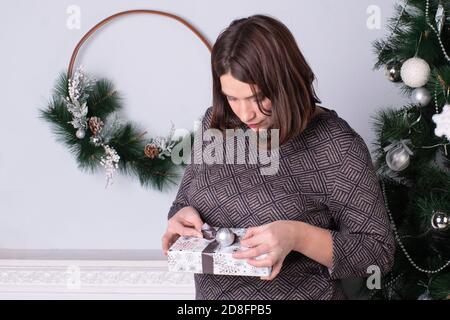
x: 186, y: 222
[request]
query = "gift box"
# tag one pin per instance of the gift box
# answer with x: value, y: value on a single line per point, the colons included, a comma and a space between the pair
x: 212, y: 256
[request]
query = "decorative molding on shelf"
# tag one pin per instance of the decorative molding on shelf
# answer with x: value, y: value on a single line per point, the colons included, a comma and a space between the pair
x: 83, y: 276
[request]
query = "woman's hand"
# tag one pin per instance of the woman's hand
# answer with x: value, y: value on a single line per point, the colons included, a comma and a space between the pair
x: 186, y: 222
x: 276, y: 239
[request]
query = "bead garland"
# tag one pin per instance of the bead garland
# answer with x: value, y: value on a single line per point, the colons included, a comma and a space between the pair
x: 400, y: 243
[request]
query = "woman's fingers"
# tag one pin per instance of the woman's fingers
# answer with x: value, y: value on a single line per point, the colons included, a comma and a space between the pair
x: 193, y: 221
x: 275, y: 271
x: 265, y: 260
x: 250, y: 233
x: 170, y: 237
x: 190, y: 216
x: 186, y: 222
x: 252, y: 252
x: 254, y: 240
x: 180, y: 227
x: 167, y: 240
x: 184, y: 228
x: 188, y: 231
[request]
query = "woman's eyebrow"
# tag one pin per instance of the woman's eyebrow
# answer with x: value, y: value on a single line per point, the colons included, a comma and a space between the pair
x: 257, y: 94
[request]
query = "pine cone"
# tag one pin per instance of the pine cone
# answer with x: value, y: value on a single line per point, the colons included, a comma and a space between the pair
x: 96, y: 125
x: 151, y: 151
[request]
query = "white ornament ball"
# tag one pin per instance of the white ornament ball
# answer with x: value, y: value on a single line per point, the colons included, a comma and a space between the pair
x: 442, y: 121
x: 80, y: 133
x: 415, y: 72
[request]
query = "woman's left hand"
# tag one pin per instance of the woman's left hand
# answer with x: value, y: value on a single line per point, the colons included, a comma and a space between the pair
x: 275, y: 239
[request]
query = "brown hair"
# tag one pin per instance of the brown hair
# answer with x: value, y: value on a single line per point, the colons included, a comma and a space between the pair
x: 261, y: 50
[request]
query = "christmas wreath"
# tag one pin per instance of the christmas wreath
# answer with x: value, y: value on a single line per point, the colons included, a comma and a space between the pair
x: 84, y: 116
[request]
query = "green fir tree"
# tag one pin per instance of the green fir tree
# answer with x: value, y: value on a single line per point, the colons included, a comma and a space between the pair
x: 413, y: 150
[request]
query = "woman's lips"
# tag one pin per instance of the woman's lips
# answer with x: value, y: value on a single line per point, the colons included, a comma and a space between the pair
x: 253, y: 125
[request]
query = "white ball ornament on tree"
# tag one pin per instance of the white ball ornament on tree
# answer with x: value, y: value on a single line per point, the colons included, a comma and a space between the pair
x: 415, y: 72
x: 442, y: 121
x: 421, y: 96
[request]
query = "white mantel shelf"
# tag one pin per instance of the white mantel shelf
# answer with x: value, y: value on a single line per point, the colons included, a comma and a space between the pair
x: 59, y: 277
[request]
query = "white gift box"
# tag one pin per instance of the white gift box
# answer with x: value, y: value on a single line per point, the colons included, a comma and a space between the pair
x: 206, y: 255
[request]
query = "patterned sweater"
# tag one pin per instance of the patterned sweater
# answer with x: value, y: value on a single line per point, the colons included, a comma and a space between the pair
x: 325, y: 178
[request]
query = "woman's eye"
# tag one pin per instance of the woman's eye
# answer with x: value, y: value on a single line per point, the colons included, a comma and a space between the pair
x: 256, y: 99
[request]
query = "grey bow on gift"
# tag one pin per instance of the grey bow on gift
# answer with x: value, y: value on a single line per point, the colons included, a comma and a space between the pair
x: 223, y: 237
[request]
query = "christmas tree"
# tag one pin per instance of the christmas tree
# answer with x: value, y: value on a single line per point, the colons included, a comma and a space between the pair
x: 413, y: 150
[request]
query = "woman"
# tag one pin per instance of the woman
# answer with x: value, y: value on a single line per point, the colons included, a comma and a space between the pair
x: 321, y: 217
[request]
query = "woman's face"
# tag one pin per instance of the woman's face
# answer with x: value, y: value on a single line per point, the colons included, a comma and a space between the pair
x: 244, y: 104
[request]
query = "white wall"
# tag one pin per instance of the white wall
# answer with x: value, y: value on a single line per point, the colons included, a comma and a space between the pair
x: 163, y: 71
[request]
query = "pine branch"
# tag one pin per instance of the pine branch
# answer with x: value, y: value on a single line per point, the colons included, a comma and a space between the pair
x: 104, y: 99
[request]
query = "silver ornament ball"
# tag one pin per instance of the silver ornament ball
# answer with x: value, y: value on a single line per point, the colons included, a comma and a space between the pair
x: 440, y: 221
x: 397, y: 158
x: 393, y: 71
x: 421, y: 96
x: 96, y: 140
x: 225, y: 237
x: 80, y: 133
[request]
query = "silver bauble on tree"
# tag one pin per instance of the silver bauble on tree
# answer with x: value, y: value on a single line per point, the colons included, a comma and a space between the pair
x: 440, y: 220
x: 81, y: 133
x: 415, y: 72
x: 398, y: 155
x: 393, y: 71
x: 421, y: 96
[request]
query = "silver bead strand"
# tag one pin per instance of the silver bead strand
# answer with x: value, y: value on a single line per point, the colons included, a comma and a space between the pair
x: 427, y: 10
x: 436, y: 99
x: 400, y: 243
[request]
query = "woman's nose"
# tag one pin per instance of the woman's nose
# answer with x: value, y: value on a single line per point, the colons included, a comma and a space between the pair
x: 247, y: 112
